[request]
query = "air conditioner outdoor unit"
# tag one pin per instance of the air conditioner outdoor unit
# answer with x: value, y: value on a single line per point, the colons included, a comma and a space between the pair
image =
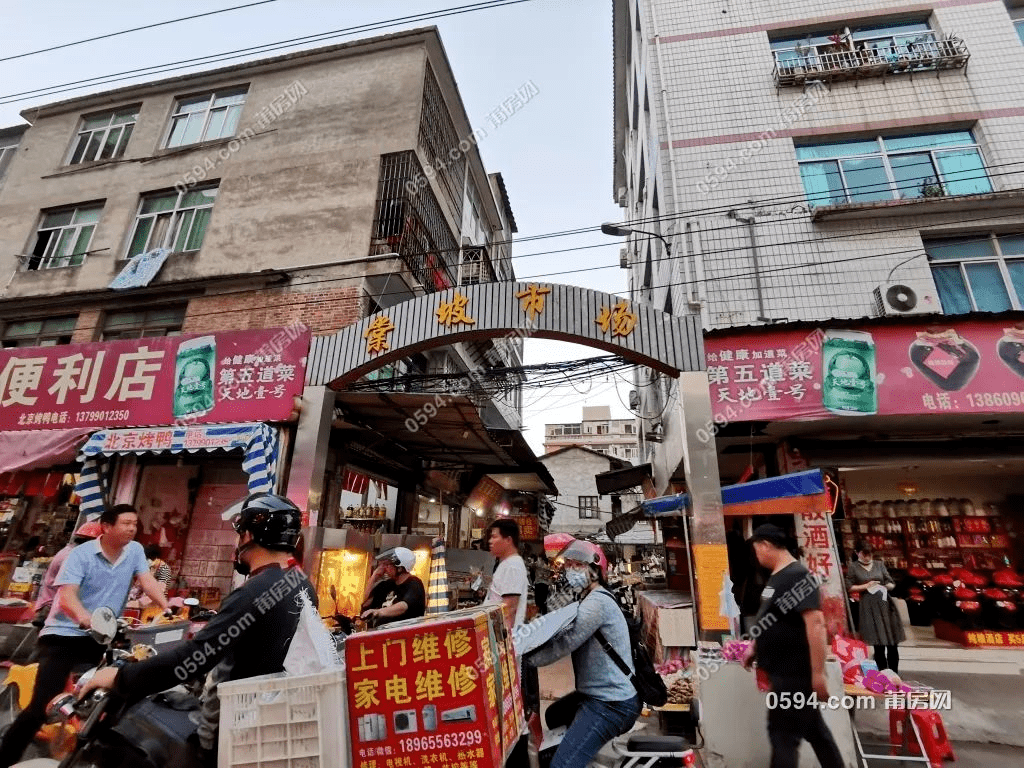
x: 906, y: 297
x: 623, y: 258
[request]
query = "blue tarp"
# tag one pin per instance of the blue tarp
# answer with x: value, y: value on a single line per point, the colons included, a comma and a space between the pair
x: 797, y: 484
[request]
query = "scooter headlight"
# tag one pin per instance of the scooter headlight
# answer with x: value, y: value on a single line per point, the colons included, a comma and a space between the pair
x: 61, y: 708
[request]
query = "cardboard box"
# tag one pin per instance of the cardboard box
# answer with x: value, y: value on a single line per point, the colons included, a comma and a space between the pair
x: 437, y: 691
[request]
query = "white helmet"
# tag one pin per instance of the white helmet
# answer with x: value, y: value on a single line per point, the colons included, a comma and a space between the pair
x: 400, y: 556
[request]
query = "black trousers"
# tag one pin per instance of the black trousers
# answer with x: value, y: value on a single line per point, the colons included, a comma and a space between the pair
x: 888, y: 657
x: 788, y: 727
x: 58, y: 656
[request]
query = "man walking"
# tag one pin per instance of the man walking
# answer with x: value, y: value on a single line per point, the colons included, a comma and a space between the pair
x: 790, y: 647
x: 509, y: 583
x: 509, y: 587
x: 97, y: 573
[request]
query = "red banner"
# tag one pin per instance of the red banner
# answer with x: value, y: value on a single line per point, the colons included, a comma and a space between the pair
x: 439, y: 691
x: 959, y: 367
x: 194, y: 379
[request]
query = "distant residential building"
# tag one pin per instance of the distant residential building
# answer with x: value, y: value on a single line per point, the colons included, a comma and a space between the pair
x: 597, y: 431
x: 579, y: 508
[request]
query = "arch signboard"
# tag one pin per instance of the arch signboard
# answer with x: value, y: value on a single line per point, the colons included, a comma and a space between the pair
x: 639, y: 333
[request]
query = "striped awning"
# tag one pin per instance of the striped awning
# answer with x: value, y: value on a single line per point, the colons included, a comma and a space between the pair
x: 437, y: 591
x: 259, y: 441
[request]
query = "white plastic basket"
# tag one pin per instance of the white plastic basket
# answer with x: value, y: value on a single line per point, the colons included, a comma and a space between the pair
x: 276, y: 721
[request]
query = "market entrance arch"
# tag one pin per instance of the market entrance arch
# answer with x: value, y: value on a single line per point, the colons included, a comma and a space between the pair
x: 639, y: 333
x: 670, y: 344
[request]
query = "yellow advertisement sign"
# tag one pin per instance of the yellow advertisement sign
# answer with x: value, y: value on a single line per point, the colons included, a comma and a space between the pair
x: 710, y: 563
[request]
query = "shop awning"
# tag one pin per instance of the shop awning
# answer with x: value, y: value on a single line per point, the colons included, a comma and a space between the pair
x: 258, y: 441
x: 37, y: 449
x: 772, y: 495
x: 788, y: 494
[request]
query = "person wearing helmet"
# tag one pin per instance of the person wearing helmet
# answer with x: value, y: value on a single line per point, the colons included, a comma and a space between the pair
x: 86, y: 532
x: 250, y: 634
x: 393, y: 592
x: 605, y: 703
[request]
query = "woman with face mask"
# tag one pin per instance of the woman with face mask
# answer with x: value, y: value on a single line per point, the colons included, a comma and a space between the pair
x: 880, y: 624
x: 605, y: 704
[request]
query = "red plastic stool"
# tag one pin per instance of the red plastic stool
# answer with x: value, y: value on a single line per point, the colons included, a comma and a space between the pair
x: 929, y: 725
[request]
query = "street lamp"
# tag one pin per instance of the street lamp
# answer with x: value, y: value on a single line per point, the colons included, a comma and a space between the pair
x: 617, y: 231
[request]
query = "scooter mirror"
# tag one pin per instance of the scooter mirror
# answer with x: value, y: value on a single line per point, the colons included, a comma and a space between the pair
x: 104, y: 625
x: 191, y: 602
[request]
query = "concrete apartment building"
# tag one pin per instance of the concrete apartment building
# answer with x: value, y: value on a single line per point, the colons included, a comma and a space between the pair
x: 598, y: 431
x: 314, y: 188
x: 579, y: 508
x: 818, y: 170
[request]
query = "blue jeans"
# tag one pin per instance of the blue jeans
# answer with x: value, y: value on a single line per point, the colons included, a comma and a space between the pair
x: 596, y: 723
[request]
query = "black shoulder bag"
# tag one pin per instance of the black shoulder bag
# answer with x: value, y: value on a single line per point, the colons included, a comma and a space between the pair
x: 650, y: 688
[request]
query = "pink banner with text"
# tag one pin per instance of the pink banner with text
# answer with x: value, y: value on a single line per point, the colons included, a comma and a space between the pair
x: 223, y: 377
x: 967, y: 367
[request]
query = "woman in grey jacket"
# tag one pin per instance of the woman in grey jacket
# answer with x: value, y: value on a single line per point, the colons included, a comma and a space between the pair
x: 605, y: 701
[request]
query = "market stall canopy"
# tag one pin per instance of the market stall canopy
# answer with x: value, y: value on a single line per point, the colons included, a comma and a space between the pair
x: 455, y: 435
x: 36, y: 449
x: 258, y: 441
x: 620, y: 479
x: 787, y: 494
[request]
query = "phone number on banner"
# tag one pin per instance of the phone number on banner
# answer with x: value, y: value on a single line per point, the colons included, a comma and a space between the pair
x: 443, y: 741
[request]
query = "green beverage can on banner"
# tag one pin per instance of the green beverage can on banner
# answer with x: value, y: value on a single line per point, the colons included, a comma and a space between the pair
x: 194, y: 371
x: 848, y: 373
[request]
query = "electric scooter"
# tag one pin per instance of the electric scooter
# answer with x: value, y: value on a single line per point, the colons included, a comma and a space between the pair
x: 632, y: 750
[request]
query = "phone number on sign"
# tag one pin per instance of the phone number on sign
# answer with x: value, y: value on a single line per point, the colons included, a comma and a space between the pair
x: 101, y: 415
x: 443, y: 741
x: 996, y: 398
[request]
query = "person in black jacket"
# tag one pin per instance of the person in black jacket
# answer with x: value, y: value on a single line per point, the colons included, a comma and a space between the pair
x: 250, y: 634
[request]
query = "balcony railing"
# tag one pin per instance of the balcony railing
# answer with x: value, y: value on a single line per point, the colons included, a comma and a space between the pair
x: 797, y: 66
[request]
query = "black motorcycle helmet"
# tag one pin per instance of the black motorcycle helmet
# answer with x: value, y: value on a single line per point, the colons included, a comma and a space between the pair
x: 274, y: 521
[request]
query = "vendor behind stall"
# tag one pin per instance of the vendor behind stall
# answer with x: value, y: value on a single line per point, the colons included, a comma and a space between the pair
x: 393, y: 593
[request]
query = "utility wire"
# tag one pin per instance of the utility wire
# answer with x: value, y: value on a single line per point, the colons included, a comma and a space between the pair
x: 256, y: 49
x: 133, y: 29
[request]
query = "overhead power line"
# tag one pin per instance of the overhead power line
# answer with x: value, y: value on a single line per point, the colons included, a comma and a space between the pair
x: 133, y: 29
x: 253, y: 50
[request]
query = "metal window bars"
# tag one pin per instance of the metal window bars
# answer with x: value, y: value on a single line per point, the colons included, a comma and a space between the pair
x: 868, y: 58
x: 408, y: 221
x: 439, y: 142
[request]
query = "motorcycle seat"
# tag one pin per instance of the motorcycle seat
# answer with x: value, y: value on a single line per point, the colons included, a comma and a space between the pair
x: 657, y: 744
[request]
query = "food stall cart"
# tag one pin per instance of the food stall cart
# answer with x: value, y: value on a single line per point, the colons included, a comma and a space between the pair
x: 338, y: 558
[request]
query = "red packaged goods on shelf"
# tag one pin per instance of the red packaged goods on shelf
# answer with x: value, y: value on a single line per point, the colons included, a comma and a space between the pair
x: 437, y: 690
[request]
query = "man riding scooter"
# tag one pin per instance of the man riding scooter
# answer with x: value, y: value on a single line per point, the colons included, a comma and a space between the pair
x: 251, y: 633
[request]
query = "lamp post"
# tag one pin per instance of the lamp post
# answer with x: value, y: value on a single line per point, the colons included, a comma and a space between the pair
x: 618, y: 231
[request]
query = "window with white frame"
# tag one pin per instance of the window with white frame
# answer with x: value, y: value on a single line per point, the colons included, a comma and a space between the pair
x: 139, y: 323
x: 174, y: 220
x: 983, y: 272
x: 104, y: 136
x: 6, y: 155
x: 1016, y: 11
x: 39, y: 332
x: 63, y: 237
x: 206, y: 117
x: 892, y: 168
x: 588, y: 507
x: 471, y: 270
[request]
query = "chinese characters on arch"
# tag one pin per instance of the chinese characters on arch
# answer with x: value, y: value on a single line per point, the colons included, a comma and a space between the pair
x: 221, y: 377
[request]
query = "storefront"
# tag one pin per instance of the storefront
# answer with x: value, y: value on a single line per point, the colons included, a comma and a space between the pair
x: 918, y: 423
x: 182, y: 427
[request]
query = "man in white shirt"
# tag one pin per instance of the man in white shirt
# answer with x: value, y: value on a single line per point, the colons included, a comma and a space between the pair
x: 509, y: 586
x: 509, y: 583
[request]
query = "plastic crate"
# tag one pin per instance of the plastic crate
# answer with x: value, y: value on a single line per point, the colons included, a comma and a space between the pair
x: 158, y: 635
x: 277, y: 721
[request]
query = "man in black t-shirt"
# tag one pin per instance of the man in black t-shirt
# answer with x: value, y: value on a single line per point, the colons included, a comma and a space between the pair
x: 393, y: 593
x: 789, y: 645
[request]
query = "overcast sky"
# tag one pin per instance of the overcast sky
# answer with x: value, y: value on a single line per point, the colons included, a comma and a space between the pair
x: 555, y: 154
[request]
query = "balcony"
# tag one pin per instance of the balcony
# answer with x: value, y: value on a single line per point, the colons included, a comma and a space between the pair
x: 840, y: 61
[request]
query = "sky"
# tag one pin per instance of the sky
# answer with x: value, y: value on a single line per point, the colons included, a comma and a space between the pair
x: 555, y: 153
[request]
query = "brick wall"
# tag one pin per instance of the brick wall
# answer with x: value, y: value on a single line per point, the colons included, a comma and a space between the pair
x: 209, y: 551
x: 324, y: 310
